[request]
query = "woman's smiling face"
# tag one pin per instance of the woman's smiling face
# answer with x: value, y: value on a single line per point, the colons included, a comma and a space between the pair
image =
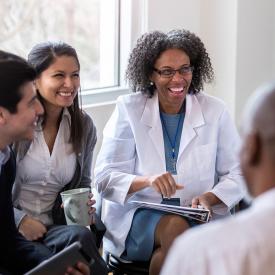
x: 172, y: 90
x: 59, y: 83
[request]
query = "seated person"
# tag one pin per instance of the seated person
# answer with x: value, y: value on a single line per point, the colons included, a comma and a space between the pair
x: 168, y: 127
x: 59, y: 157
x: 19, y: 112
x: 243, y: 244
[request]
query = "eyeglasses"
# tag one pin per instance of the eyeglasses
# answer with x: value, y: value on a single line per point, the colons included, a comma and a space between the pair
x: 169, y: 73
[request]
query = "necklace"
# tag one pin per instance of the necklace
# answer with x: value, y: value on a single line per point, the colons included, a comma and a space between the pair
x: 172, y: 142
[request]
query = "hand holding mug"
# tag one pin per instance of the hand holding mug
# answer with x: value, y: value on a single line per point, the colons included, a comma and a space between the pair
x: 92, y: 209
x: 77, y: 206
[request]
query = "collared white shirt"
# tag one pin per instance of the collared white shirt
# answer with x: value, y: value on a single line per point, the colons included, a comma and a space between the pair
x: 240, y: 245
x: 4, y: 156
x: 42, y: 175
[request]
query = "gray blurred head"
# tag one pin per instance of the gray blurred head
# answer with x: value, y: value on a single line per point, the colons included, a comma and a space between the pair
x: 257, y: 155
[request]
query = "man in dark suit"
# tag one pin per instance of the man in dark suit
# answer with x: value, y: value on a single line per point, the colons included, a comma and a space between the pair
x: 19, y: 112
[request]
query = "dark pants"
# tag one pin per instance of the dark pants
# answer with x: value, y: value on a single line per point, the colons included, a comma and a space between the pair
x: 61, y: 236
x: 19, y: 255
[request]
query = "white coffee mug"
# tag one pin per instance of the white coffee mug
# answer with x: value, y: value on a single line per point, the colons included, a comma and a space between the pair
x: 75, y: 206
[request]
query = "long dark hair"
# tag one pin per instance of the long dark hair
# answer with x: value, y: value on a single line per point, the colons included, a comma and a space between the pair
x: 41, y: 57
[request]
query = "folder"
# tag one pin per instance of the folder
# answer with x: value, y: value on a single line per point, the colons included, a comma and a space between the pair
x: 198, y: 214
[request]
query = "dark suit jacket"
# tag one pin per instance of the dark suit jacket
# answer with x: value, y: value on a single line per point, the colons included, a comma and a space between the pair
x: 16, y: 253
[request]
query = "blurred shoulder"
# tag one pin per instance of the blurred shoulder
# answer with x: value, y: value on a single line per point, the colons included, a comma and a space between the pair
x: 224, y: 235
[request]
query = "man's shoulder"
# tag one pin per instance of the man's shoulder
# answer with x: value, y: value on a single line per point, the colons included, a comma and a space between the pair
x: 202, y: 236
x: 229, y: 234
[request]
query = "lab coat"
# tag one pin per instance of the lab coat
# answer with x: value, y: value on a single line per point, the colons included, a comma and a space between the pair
x: 133, y: 145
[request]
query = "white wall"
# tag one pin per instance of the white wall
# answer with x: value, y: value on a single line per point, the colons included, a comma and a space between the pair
x: 172, y: 14
x: 218, y: 29
x: 100, y: 115
x: 255, y: 47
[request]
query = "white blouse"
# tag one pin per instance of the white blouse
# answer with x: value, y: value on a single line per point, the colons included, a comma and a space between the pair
x: 42, y: 175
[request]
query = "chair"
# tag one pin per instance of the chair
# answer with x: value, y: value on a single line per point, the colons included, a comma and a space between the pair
x: 120, y: 266
x: 117, y: 265
x: 99, y: 229
x: 243, y: 204
x: 4, y: 271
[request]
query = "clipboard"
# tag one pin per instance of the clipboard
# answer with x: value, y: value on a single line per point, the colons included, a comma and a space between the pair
x: 198, y: 214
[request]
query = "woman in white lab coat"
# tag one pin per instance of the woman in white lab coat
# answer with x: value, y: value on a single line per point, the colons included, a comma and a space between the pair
x: 168, y: 127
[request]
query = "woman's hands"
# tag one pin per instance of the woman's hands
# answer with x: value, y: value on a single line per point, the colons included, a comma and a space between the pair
x: 31, y: 228
x: 206, y: 200
x: 80, y: 268
x: 164, y: 184
x: 90, y: 203
x: 92, y: 209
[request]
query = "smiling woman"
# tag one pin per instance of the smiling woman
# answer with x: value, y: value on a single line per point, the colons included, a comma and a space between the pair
x: 166, y: 128
x: 172, y: 84
x: 59, y: 84
x: 59, y: 157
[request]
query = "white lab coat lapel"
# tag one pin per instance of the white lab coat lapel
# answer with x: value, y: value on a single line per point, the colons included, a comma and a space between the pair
x: 151, y: 118
x: 193, y: 118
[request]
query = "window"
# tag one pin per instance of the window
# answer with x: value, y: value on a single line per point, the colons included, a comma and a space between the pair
x: 90, y: 26
x: 102, y: 31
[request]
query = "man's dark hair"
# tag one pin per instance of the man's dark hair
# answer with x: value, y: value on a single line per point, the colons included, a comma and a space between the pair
x: 14, y: 72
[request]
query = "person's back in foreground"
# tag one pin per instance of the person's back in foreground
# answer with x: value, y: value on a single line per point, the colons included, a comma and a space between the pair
x: 241, y: 245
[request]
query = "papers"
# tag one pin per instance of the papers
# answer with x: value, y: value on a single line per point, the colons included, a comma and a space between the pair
x: 198, y: 214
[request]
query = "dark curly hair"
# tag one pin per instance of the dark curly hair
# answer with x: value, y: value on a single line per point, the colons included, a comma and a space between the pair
x: 151, y: 45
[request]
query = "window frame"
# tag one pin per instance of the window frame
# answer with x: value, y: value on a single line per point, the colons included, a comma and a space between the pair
x: 132, y: 22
